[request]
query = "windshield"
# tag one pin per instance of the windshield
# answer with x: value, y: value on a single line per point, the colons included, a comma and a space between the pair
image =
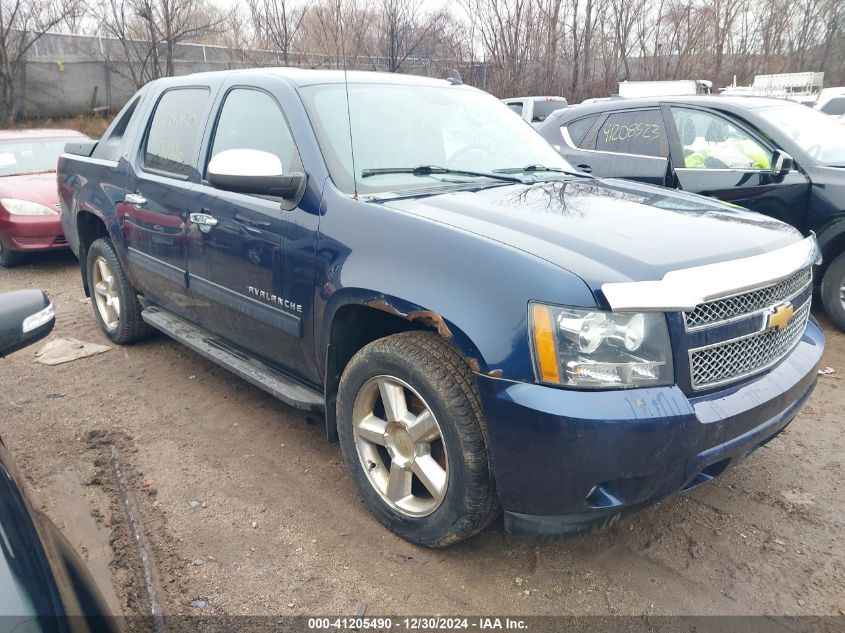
x: 30, y: 156
x: 406, y: 126
x: 815, y: 133
x: 835, y: 106
x: 542, y: 109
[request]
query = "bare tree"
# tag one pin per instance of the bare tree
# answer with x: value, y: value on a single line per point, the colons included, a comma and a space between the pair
x: 577, y: 48
x: 401, y: 28
x: 277, y: 24
x: 508, y: 32
x: 22, y: 24
x: 148, y: 32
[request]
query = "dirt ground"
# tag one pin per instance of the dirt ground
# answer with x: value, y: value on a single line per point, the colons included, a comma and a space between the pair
x: 247, y: 509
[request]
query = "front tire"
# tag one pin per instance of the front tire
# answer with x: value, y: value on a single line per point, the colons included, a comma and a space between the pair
x: 833, y: 291
x: 8, y: 257
x: 115, y: 303
x: 413, y: 438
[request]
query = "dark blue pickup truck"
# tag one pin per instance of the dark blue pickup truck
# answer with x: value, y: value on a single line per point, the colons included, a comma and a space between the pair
x: 483, y: 327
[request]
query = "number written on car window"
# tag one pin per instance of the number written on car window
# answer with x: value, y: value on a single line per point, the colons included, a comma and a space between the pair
x: 637, y: 132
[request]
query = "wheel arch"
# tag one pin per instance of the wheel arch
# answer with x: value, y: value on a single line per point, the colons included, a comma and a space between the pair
x: 89, y: 227
x: 831, y: 239
x: 354, y: 317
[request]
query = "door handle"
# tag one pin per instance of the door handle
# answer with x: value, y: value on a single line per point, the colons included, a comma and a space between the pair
x: 135, y: 198
x: 203, y: 219
x: 585, y: 168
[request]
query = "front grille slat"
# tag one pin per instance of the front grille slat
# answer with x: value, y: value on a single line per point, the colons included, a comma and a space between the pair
x: 729, y: 308
x: 741, y: 357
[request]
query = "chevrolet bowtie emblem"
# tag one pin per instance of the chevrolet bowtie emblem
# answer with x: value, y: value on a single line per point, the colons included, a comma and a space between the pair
x: 780, y: 316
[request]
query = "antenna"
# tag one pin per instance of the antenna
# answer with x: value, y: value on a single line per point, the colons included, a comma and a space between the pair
x: 348, y: 108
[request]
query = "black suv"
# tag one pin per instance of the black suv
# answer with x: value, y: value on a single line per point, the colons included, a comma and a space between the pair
x: 769, y: 155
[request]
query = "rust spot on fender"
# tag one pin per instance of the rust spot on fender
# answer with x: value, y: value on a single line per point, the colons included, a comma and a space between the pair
x: 384, y: 306
x: 431, y: 319
x: 427, y: 317
x: 496, y: 373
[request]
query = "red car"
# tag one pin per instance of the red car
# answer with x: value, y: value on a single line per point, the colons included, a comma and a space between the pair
x: 29, y: 209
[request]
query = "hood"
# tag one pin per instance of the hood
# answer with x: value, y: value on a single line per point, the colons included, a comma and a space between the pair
x: 39, y: 188
x: 606, y: 230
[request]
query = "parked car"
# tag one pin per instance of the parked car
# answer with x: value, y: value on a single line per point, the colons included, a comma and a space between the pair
x: 769, y: 155
x: 535, y: 109
x: 44, y: 586
x: 29, y: 204
x: 481, y: 326
x: 831, y: 101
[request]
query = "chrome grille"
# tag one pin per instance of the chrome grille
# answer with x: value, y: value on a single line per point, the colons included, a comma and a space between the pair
x: 719, y: 310
x: 740, y: 357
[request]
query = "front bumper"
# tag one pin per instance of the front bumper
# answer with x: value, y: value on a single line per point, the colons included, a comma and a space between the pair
x: 31, y: 233
x: 568, y: 461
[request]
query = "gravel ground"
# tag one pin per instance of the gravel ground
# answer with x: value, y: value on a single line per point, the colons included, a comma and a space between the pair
x: 247, y: 509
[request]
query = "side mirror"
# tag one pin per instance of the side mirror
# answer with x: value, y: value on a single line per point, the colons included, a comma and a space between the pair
x: 26, y: 316
x: 254, y: 172
x: 781, y: 163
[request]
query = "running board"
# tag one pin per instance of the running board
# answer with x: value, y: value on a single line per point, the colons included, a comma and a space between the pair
x: 250, y: 369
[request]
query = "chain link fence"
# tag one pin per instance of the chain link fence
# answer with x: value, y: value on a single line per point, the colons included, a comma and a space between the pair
x: 68, y: 75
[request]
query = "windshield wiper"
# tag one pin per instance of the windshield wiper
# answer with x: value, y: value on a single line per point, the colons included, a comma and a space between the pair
x: 534, y: 168
x: 429, y: 170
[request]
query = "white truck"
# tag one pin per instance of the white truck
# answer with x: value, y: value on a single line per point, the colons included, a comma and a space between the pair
x: 671, y: 88
x: 535, y: 109
x: 804, y: 87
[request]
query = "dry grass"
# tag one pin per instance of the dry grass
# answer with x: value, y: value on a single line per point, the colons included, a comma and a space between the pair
x: 93, y: 126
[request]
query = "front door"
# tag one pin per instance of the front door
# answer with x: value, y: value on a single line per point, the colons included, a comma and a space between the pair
x: 718, y: 156
x: 153, y: 214
x: 235, y: 258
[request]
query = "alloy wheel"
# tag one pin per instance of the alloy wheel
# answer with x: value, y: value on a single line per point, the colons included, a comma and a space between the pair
x: 106, y: 294
x: 400, y: 445
x: 842, y: 293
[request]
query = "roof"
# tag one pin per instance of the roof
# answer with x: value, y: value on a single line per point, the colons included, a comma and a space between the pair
x: 11, y: 135
x: 307, y: 77
x: 733, y: 102
x: 536, y: 98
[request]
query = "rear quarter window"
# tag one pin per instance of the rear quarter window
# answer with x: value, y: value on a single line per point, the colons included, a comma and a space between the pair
x: 639, y: 132
x: 109, y: 146
x: 578, y: 129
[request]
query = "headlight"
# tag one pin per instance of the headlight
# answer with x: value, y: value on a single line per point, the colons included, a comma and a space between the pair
x: 25, y: 207
x: 38, y: 319
x: 593, y: 349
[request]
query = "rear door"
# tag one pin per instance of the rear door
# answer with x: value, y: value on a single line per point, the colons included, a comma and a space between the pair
x: 236, y: 264
x: 628, y: 144
x: 717, y: 155
x: 153, y: 214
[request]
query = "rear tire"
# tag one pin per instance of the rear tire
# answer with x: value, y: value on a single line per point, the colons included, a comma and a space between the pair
x: 8, y: 257
x: 444, y: 490
x: 115, y: 303
x: 833, y: 291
